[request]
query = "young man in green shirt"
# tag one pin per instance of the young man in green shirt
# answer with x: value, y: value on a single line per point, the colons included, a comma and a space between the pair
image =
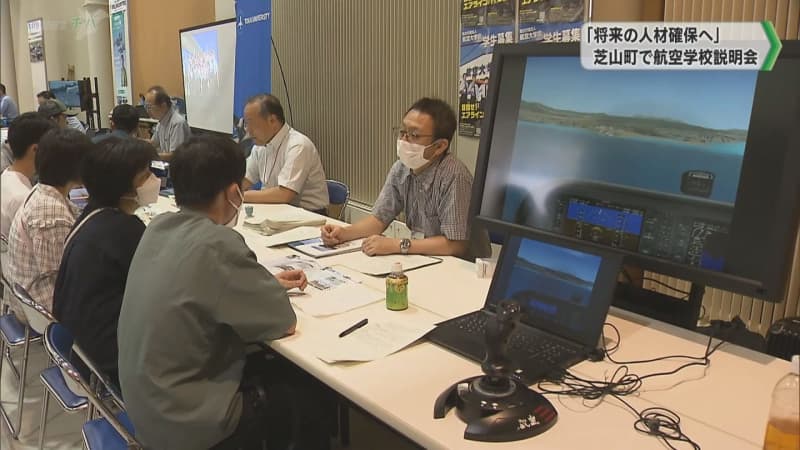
x: 194, y: 298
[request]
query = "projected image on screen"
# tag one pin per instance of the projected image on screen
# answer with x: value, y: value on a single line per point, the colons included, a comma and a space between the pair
x: 201, y: 63
x: 552, y: 283
x: 208, y: 56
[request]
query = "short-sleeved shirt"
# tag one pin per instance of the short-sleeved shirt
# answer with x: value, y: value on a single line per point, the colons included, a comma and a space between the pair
x: 8, y: 108
x: 91, y: 281
x: 290, y: 160
x: 436, y: 201
x: 36, y: 241
x: 15, y: 188
x: 171, y: 131
x: 195, y: 296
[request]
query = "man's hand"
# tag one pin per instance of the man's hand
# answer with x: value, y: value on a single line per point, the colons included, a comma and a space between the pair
x: 331, y: 234
x: 291, y: 279
x: 380, y: 245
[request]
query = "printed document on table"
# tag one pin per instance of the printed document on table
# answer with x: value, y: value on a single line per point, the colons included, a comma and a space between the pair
x: 375, y: 340
x: 296, y: 234
x: 336, y: 300
x: 382, y: 265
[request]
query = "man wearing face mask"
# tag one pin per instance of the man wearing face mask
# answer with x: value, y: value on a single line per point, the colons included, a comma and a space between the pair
x: 428, y: 183
x: 283, y: 160
x: 98, y: 250
x: 195, y: 296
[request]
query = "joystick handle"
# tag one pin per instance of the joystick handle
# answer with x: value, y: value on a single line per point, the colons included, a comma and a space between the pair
x: 497, y: 364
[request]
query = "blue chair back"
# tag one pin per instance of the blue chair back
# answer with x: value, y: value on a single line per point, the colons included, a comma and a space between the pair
x: 58, y: 342
x: 338, y: 192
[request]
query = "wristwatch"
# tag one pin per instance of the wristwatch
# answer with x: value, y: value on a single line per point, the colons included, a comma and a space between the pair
x: 405, y: 245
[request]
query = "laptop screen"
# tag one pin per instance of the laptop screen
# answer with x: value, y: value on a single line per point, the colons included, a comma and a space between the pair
x: 562, y: 290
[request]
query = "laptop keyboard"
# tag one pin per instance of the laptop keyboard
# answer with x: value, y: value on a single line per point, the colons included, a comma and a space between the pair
x: 521, y: 345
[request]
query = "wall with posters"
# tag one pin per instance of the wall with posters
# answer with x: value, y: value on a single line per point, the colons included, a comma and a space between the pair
x: 120, y: 51
x: 531, y: 11
x: 66, y: 28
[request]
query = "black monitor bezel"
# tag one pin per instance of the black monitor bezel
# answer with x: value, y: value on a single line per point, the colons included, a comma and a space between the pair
x: 602, y: 293
x: 773, y: 283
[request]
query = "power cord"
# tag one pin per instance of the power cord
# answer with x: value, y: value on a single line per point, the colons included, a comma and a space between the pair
x: 283, y: 76
x: 686, y: 294
x: 659, y: 422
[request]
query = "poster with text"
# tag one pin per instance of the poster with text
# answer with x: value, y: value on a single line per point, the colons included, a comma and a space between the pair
x: 120, y: 51
x: 551, y: 20
x: 484, y: 23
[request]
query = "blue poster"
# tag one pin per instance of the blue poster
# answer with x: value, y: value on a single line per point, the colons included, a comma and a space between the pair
x: 253, y: 57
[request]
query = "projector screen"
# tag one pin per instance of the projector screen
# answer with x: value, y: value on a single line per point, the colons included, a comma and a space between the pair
x: 208, y: 54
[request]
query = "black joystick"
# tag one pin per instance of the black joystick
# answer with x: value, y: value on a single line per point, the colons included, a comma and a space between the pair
x: 495, y: 406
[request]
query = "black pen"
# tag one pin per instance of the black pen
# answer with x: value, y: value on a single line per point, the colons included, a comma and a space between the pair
x: 358, y: 325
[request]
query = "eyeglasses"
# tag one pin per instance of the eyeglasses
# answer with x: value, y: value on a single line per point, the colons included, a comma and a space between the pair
x: 412, y: 135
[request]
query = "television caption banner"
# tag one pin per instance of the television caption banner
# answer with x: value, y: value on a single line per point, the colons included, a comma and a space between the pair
x: 679, y: 46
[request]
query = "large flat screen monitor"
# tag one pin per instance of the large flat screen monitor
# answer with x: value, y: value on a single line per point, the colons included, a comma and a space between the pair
x: 208, y: 56
x: 68, y: 91
x: 694, y: 174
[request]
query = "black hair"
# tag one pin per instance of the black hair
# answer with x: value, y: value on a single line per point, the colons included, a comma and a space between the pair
x: 444, y: 119
x: 60, y: 156
x: 3, y: 88
x: 162, y: 97
x: 125, y: 118
x: 204, y: 166
x: 27, y: 129
x: 111, y: 166
x: 47, y: 95
x: 269, y: 105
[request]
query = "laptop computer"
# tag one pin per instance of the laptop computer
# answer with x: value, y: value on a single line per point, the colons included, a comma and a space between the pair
x: 565, y: 294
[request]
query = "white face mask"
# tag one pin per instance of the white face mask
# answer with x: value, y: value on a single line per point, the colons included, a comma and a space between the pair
x: 147, y: 193
x: 232, y: 223
x: 412, y: 155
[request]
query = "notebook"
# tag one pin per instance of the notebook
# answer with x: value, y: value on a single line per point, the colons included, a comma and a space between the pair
x: 565, y: 294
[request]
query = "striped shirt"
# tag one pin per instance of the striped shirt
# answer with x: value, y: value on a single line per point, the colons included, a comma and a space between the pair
x: 436, y: 201
x: 36, y: 241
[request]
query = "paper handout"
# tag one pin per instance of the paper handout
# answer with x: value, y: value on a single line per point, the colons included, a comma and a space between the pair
x: 375, y: 340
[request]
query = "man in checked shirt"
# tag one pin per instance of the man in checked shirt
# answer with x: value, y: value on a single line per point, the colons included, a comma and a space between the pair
x: 42, y: 223
x: 429, y: 184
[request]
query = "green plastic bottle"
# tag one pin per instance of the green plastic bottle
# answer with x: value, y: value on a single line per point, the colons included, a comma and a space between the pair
x: 397, y: 289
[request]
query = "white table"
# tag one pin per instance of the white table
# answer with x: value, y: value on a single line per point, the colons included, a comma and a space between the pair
x: 723, y: 406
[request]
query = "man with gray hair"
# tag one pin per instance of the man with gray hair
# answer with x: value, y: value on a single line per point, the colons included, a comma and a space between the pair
x: 283, y: 160
x: 172, y: 129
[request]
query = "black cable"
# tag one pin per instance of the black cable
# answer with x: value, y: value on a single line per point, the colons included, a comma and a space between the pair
x: 698, y: 360
x: 661, y: 283
x: 659, y: 422
x: 283, y: 76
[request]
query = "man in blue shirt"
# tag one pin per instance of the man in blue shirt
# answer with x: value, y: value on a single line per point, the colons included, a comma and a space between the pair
x: 8, y: 108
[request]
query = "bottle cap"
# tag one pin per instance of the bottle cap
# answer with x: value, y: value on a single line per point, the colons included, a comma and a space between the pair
x: 796, y: 364
x: 397, y: 267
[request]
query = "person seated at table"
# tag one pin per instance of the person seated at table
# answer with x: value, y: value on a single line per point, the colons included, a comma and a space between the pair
x: 98, y: 252
x: 172, y: 129
x: 38, y: 231
x: 58, y: 112
x: 24, y: 134
x: 124, y: 123
x: 429, y: 184
x: 283, y: 160
x: 194, y: 298
x: 44, y: 96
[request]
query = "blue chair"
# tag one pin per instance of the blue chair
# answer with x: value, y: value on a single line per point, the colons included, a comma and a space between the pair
x: 14, y: 333
x: 112, y: 430
x: 338, y: 196
x: 71, y: 396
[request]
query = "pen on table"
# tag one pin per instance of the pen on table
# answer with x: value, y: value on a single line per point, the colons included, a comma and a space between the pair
x: 358, y: 325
